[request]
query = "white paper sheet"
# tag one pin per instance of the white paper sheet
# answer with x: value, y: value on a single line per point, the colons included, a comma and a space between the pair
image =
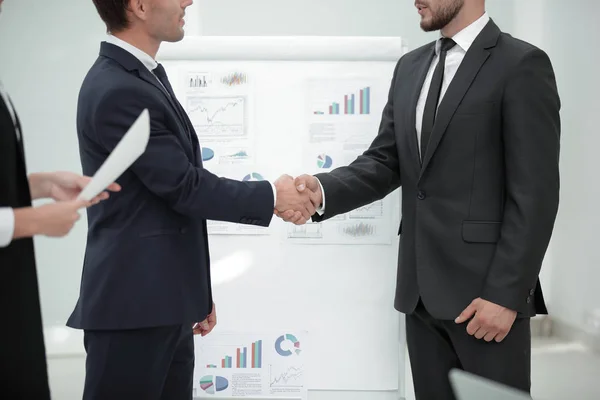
x: 128, y: 150
x: 251, y: 365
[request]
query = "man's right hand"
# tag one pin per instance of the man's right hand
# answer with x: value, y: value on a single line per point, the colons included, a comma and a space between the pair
x: 302, y: 183
x: 299, y: 203
x: 54, y: 220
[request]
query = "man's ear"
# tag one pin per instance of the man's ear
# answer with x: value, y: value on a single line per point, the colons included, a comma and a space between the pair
x: 139, y: 9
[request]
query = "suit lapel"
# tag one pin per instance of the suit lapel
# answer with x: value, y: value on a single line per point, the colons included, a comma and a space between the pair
x: 469, y: 68
x: 418, y: 78
x: 153, y: 80
x: 132, y: 64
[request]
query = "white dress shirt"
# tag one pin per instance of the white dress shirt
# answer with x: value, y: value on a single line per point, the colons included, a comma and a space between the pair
x: 7, y: 216
x: 463, y: 39
x: 151, y: 64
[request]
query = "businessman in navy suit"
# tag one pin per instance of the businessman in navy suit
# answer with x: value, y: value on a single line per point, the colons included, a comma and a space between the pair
x: 146, y: 286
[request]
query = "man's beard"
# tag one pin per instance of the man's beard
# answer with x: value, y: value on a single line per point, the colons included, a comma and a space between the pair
x: 443, y: 16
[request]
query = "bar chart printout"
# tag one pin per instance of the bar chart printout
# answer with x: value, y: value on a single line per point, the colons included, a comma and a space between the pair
x: 243, y: 358
x: 251, y: 365
x: 356, y: 103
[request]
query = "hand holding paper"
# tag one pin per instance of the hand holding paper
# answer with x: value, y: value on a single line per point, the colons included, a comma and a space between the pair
x: 128, y: 150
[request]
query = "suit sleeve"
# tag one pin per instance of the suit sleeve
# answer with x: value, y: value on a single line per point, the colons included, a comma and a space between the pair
x: 531, y: 133
x: 372, y: 176
x: 164, y: 168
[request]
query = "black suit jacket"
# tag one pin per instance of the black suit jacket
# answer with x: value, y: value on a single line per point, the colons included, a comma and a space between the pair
x: 147, y: 258
x: 479, y: 210
x: 23, y: 372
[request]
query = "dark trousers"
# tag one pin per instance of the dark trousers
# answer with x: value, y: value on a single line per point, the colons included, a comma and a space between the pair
x: 435, y: 347
x: 148, y: 364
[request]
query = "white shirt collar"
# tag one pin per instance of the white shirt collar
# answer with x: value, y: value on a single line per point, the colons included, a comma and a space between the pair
x: 465, y: 38
x: 145, y: 58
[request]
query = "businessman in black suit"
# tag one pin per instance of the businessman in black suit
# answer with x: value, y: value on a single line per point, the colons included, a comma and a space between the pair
x: 480, y: 189
x: 146, y: 276
x: 23, y: 370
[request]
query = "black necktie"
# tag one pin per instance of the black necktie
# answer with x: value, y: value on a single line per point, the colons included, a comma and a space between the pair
x: 433, y: 96
x: 161, y: 74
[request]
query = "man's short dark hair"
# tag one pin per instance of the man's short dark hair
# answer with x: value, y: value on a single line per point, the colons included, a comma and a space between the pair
x: 113, y: 13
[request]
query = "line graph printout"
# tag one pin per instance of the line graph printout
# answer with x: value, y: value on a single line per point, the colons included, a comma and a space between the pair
x: 220, y: 105
x: 260, y: 365
x: 370, y: 224
x: 218, y: 117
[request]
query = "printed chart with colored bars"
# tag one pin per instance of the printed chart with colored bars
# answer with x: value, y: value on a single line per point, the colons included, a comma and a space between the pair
x: 260, y: 365
x: 212, y: 384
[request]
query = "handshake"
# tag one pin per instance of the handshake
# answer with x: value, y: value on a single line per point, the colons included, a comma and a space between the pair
x: 297, y: 199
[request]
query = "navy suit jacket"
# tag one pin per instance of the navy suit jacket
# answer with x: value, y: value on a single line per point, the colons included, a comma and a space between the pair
x: 147, y: 258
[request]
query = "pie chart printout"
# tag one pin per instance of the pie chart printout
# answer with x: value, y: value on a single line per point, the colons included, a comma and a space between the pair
x: 212, y: 384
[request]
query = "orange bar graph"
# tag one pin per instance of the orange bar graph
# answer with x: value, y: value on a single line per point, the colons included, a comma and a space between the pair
x: 239, y: 357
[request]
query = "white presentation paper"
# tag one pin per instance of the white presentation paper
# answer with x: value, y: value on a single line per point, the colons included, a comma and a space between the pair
x: 343, y: 116
x: 128, y: 150
x: 220, y: 104
x: 264, y: 366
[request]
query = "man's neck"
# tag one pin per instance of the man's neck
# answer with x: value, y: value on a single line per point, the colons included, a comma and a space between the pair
x: 464, y: 18
x: 141, y: 41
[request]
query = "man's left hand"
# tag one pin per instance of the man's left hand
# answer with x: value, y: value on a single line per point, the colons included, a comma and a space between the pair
x: 205, y: 327
x: 490, y: 321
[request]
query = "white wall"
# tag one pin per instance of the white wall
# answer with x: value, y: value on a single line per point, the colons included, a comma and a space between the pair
x: 570, y: 35
x: 567, y: 31
x: 327, y: 18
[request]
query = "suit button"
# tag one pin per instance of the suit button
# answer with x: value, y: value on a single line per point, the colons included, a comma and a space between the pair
x: 528, y: 300
x: 421, y: 195
x: 532, y: 292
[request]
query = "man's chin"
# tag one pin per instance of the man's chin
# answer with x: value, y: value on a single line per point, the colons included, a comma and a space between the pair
x: 175, y: 38
x: 425, y: 27
x: 428, y: 26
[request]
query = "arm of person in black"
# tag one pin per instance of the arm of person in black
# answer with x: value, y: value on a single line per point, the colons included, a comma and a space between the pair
x: 372, y: 176
x: 531, y: 132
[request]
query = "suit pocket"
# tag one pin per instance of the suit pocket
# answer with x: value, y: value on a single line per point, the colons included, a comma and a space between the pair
x: 481, y: 231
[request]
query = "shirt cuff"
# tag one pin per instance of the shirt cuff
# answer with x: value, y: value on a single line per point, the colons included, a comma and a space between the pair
x: 7, y: 226
x: 321, y: 209
x: 274, y: 194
